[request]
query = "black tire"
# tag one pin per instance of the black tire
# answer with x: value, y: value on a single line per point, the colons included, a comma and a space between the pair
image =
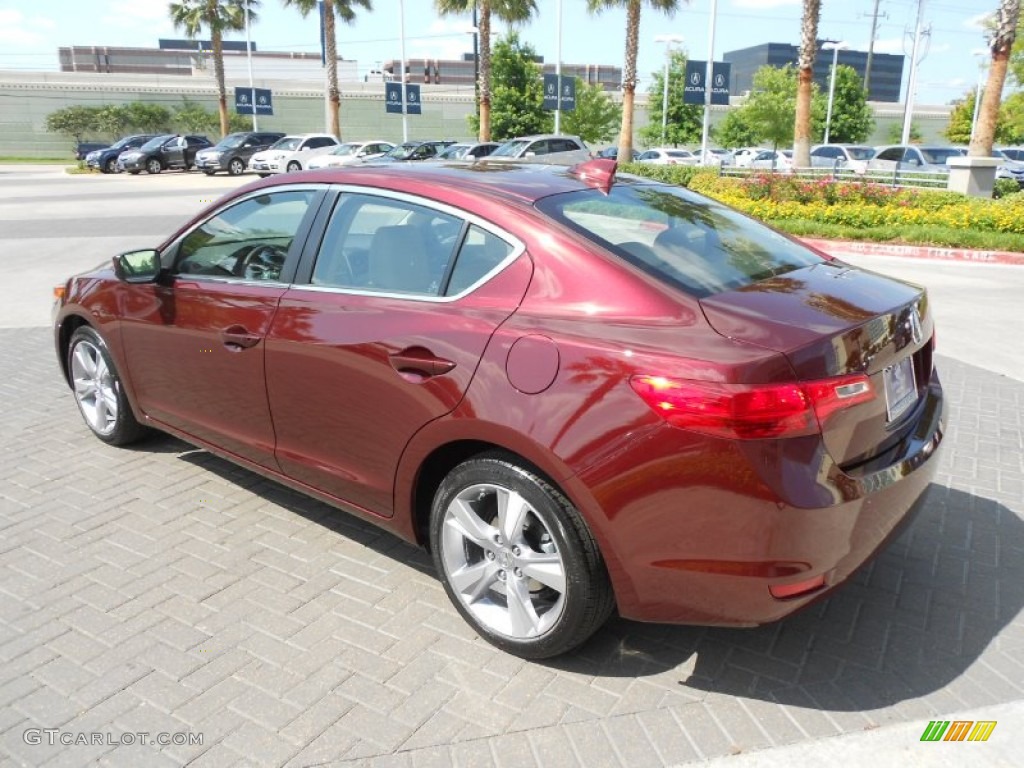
x: 121, y: 428
x: 294, y: 166
x: 236, y: 167
x: 209, y: 173
x: 153, y: 166
x: 550, y: 527
x: 134, y: 173
x: 110, y: 166
x: 263, y: 175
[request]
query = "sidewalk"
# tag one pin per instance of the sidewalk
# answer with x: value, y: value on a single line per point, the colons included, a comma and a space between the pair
x: 845, y: 248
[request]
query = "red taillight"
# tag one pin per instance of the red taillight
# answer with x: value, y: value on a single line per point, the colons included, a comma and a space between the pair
x: 751, y: 412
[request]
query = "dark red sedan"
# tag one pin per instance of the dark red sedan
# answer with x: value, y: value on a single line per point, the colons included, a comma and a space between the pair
x: 583, y: 392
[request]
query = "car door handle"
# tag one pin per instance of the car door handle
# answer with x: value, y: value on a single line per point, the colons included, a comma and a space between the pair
x: 419, y: 362
x: 237, y: 336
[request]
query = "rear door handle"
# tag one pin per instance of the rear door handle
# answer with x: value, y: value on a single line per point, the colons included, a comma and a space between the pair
x: 419, y: 362
x: 237, y: 336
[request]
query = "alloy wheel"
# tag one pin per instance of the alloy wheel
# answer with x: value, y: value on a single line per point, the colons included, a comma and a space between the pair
x: 95, y: 387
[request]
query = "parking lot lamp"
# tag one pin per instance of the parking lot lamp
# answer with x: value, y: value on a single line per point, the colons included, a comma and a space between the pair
x: 835, y: 48
x: 669, y: 41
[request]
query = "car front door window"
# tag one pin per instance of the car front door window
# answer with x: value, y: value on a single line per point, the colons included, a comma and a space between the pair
x: 247, y: 241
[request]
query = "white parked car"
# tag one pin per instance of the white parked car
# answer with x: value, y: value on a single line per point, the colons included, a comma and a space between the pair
x: 853, y: 157
x: 544, y: 148
x: 745, y: 155
x: 669, y: 156
x: 767, y: 159
x: 350, y: 153
x: 291, y: 153
x: 722, y: 157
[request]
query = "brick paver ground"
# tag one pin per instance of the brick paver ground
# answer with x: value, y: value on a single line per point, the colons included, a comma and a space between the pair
x: 160, y: 589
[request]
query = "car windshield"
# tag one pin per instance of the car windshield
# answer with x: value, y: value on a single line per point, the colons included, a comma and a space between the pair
x: 683, y: 240
x: 288, y: 142
x: 1013, y: 154
x: 231, y: 141
x: 454, y: 152
x: 121, y: 143
x: 861, y: 153
x: 402, y: 151
x: 510, y: 149
x: 939, y: 155
x: 679, y: 153
x: 157, y: 142
x: 346, y: 149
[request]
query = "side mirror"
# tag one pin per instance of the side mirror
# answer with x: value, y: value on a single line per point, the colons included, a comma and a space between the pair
x: 138, y: 266
x: 530, y: 154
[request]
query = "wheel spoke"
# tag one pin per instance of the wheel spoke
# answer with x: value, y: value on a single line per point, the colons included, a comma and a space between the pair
x: 100, y: 419
x: 467, y: 522
x: 512, y: 511
x: 521, y: 613
x: 472, y: 581
x: 86, y: 361
x: 545, y: 567
x: 101, y: 370
x: 84, y: 387
x: 109, y: 401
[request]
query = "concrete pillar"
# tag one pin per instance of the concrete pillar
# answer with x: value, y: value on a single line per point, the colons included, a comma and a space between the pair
x: 975, y: 176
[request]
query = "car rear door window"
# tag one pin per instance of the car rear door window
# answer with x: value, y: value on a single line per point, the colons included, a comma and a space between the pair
x: 246, y: 241
x: 385, y: 245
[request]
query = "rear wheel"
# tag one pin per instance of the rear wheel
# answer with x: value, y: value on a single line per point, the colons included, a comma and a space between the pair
x: 153, y: 166
x: 98, y: 390
x: 209, y: 173
x: 236, y: 167
x: 517, y: 560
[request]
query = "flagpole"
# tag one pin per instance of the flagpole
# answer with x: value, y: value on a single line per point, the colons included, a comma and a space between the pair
x: 248, y: 53
x: 401, y: 32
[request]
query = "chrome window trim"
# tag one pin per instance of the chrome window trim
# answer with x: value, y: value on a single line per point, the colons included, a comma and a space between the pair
x: 518, y: 247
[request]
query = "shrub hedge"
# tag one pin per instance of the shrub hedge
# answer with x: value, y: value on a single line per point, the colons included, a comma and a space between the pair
x: 777, y: 198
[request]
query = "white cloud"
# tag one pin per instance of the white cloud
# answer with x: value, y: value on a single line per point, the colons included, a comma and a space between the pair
x: 979, y: 21
x: 765, y: 4
x: 18, y: 30
x: 444, y: 39
x: 889, y: 45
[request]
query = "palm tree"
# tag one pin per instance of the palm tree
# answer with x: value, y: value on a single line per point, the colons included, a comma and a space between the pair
x: 1001, y: 42
x: 629, y: 71
x: 511, y: 11
x: 216, y: 17
x: 345, y: 10
x: 805, y: 83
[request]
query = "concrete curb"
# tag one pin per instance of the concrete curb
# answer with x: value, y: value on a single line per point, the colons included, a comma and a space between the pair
x: 841, y: 248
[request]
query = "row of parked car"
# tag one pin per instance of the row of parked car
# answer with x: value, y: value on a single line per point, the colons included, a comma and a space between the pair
x: 266, y: 153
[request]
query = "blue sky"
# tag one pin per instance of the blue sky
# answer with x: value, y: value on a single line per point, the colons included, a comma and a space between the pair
x: 31, y: 31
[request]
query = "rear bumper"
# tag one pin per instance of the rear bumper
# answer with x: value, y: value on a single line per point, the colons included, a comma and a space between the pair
x: 701, y: 536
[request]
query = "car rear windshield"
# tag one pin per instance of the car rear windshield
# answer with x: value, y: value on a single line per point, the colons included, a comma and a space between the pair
x: 682, y: 239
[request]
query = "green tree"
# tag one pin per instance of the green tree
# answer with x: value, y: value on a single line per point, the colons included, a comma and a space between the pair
x: 960, y: 119
x: 346, y: 11
x: 147, y: 118
x: 512, y: 11
x: 805, y: 83
x: 735, y: 130
x: 1011, y: 119
x: 852, y: 122
x: 894, y: 133
x: 113, y: 119
x: 214, y: 17
x: 193, y: 117
x: 632, y: 48
x: 685, y: 122
x: 75, y: 122
x: 596, y: 117
x: 1001, y: 40
x: 517, y: 100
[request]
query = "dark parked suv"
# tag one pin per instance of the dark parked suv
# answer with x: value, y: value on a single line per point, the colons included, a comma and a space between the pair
x: 105, y: 158
x: 232, y: 153
x: 169, y: 150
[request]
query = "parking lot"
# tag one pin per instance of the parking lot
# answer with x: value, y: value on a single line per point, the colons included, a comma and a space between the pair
x: 162, y: 590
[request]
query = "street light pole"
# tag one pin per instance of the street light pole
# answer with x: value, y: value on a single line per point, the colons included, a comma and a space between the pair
x: 248, y: 54
x: 983, y: 55
x: 835, y: 48
x: 668, y: 40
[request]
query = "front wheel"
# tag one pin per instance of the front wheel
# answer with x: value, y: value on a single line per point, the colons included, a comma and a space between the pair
x: 236, y: 167
x: 98, y: 390
x: 517, y: 559
x: 153, y: 166
x: 293, y: 166
x: 110, y: 166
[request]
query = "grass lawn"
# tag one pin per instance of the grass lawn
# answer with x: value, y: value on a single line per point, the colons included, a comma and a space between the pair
x: 15, y: 160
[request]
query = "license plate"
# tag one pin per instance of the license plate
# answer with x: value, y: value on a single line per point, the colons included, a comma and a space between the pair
x: 900, y: 387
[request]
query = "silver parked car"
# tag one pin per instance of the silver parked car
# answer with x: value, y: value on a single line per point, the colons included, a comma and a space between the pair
x: 853, y: 157
x: 911, y: 157
x: 548, y: 148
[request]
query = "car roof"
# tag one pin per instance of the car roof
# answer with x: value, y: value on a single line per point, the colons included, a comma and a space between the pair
x: 522, y: 182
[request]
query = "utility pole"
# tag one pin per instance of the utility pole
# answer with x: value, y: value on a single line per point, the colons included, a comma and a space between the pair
x: 875, y: 16
x: 908, y: 108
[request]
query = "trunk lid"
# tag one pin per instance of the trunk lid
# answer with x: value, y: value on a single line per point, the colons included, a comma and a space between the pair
x: 832, y: 319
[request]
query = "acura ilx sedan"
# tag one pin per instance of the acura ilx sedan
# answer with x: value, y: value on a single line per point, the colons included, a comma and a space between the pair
x: 583, y: 392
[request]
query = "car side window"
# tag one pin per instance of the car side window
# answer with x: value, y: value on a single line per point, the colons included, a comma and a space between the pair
x: 247, y: 241
x: 481, y: 252
x: 893, y: 154
x: 539, y: 147
x: 382, y: 245
x: 320, y: 141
